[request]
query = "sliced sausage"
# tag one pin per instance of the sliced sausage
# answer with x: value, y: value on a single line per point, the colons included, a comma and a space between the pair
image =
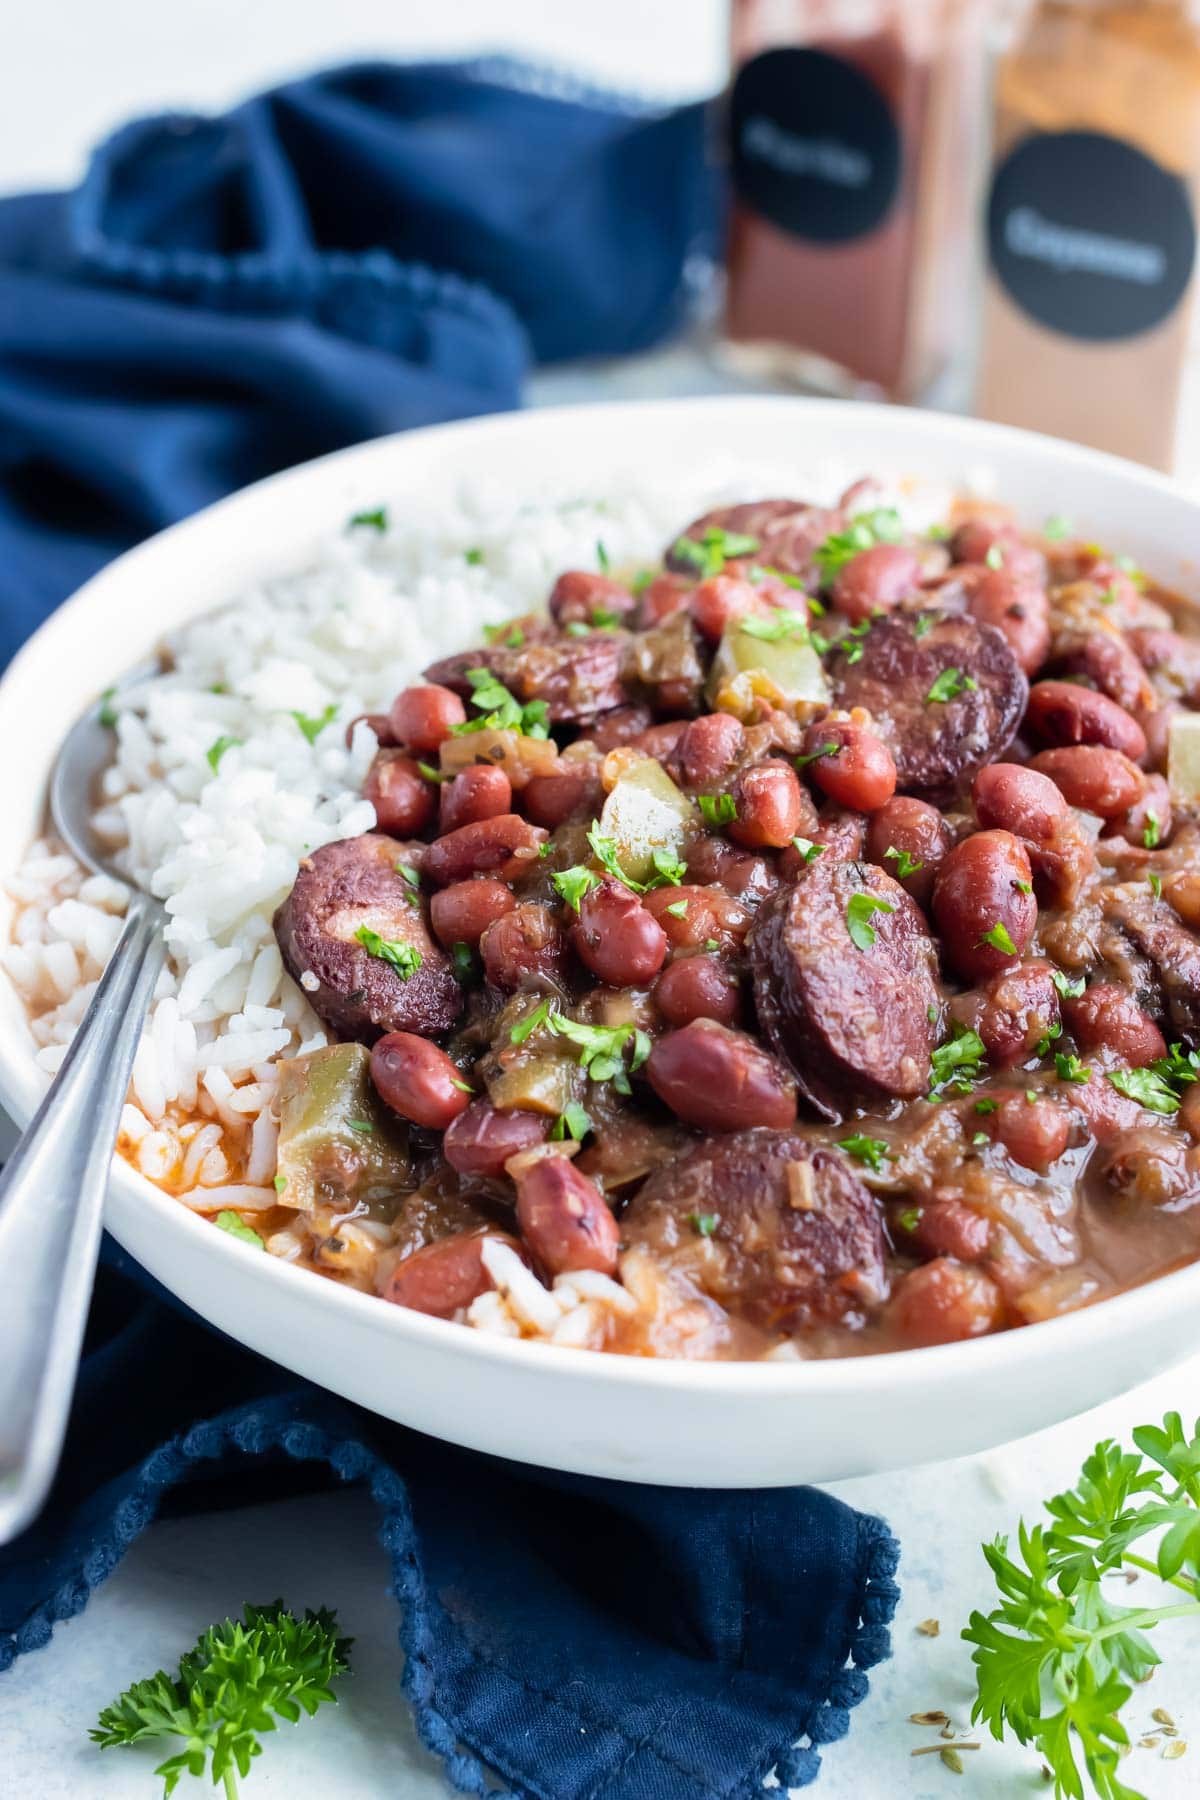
x: 779, y: 1230
x: 1020, y: 1011
x: 856, y: 1024
x: 580, y: 594
x: 908, y: 838
x: 481, y: 1139
x: 786, y: 533
x: 938, y: 745
x: 525, y: 949
x: 1153, y: 927
x: 578, y: 678
x: 1094, y: 778
x: 351, y: 886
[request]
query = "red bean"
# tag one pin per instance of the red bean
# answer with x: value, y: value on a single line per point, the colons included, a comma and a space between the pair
x: 423, y: 717
x: 859, y: 773
x: 1095, y: 779
x: 721, y: 1080
x: 443, y: 1278
x: 941, y: 1228
x: 1111, y: 664
x: 565, y: 1219
x: 708, y: 914
x: 1062, y: 712
x: 1034, y: 1132
x: 418, y: 1080
x: 615, y: 936
x: 1020, y: 1010
x: 1148, y: 822
x: 661, y: 740
x: 977, y: 538
x: 770, y: 806
x: 460, y: 914
x: 620, y: 725
x: 983, y: 903
x: 1018, y: 607
x: 944, y: 1302
x: 404, y: 802
x: 665, y: 595
x: 1157, y: 728
x: 745, y: 877
x: 550, y: 800
x: 580, y: 593
x: 875, y: 581
x: 481, y: 1140
x: 717, y: 602
x: 843, y: 833
x: 525, y: 948
x: 504, y: 847
x: 906, y: 831
x: 698, y: 987
x: 1019, y: 800
x: 708, y: 749
x: 1106, y: 1016
x: 480, y: 792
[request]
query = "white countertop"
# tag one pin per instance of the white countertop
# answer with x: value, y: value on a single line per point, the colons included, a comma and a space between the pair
x: 69, y: 73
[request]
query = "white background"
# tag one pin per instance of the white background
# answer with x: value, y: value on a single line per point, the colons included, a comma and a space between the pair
x: 69, y: 71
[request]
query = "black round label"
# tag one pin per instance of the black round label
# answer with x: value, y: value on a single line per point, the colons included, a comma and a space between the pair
x: 1089, y: 235
x: 813, y: 143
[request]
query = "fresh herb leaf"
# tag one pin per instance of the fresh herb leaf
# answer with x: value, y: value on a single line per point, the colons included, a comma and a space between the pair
x: 216, y: 751
x: 995, y: 557
x: 572, y: 884
x: 604, y: 618
x: 958, y: 1060
x: 717, y: 809
x: 1069, y: 1068
x: 668, y: 870
x: 398, y: 955
x: 1148, y: 1087
x: 604, y: 849
x: 279, y: 1182
x: 1151, y: 832
x: 859, y: 909
x: 313, y: 727
x: 437, y: 776
x: 510, y: 636
x: 773, y: 629
x: 577, y: 629
x: 906, y: 865
x: 464, y: 1087
x: 602, y: 562
x: 949, y: 685
x: 987, y: 1105
x: 807, y: 849
x: 923, y: 624
x: 1155, y: 885
x: 1057, y: 527
x: 871, y: 1151
x: 501, y: 710
x: 462, y: 964
x: 107, y: 712
x: 709, y: 555
x: 525, y: 1028
x: 236, y: 1227
x: 882, y: 526
x: 375, y: 520
x: 712, y: 944
x: 641, y: 581
x: 826, y: 749
x: 572, y: 1122
x: 704, y: 1224
x: 910, y: 1218
x: 1069, y: 986
x: 226, y: 1690
x: 677, y: 909
x: 363, y: 1125
x: 474, y: 556
x: 1000, y: 938
x: 602, y: 1048
x: 1023, y: 887
x: 1054, y: 1033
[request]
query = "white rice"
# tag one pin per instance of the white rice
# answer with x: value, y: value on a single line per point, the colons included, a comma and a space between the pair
x: 221, y: 845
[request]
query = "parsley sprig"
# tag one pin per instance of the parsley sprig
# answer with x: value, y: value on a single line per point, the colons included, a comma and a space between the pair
x: 1056, y: 1657
x: 956, y: 1063
x: 502, y: 711
x: 708, y: 554
x: 602, y: 1048
x: 228, y: 1686
x: 882, y: 526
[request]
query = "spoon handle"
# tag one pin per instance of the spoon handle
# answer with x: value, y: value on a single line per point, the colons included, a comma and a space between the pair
x: 51, y: 1206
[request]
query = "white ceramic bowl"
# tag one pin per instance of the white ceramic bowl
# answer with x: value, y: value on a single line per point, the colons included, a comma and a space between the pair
x: 693, y: 1424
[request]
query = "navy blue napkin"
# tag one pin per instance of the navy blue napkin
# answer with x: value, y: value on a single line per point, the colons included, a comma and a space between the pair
x: 366, y: 250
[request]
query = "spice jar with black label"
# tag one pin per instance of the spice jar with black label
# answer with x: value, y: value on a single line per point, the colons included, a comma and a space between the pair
x: 850, y: 131
x: 1089, y: 318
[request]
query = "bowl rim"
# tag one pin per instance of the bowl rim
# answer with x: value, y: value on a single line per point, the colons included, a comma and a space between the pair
x: 23, y: 1085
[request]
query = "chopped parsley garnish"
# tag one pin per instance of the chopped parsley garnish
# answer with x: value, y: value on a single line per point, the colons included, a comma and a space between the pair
x: 959, y: 1061
x: 704, y: 1224
x: 435, y: 775
x: 850, y: 643
x: 602, y: 1048
x: 995, y: 557
x: 313, y: 727
x: 409, y: 873
x: 572, y: 1122
x: 923, y: 624
x: 1155, y: 886
x: 1057, y: 527
x: 604, y: 618
x: 464, y: 1087
x: 1023, y: 887
x: 669, y: 871
x: 279, y: 1182
x: 910, y: 1218
x: 1052, y: 1036
x: 602, y: 562
x: 677, y: 909
x: 501, y: 710
x: 1147, y: 1087
x: 1180, y: 1065
x: 399, y: 956
x: 462, y: 964
x: 525, y: 1028
x: 1000, y: 938
x: 376, y: 520
x: 827, y: 749
x: 709, y: 555
x: 717, y: 809
x: 236, y: 1227
x: 577, y: 629
x: 1152, y: 831
x: 572, y: 884
x: 949, y: 685
x: 107, y: 713
x: 1069, y: 1068
x: 980, y: 1137
x: 215, y: 752
x: 363, y: 1125
x: 807, y: 849
x: 859, y: 909
x: 1069, y: 986
x: 767, y: 572
x: 871, y: 1151
x: 511, y: 637
x: 474, y: 556
x: 882, y: 526
x: 987, y: 1105
x: 712, y: 944
x: 781, y: 624
x: 906, y: 865
x: 642, y: 580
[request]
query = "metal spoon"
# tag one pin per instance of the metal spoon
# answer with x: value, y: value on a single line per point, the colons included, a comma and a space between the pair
x: 52, y: 1191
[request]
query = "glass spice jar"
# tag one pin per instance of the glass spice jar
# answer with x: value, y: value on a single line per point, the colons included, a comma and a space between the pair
x: 851, y: 134
x: 1090, y: 316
